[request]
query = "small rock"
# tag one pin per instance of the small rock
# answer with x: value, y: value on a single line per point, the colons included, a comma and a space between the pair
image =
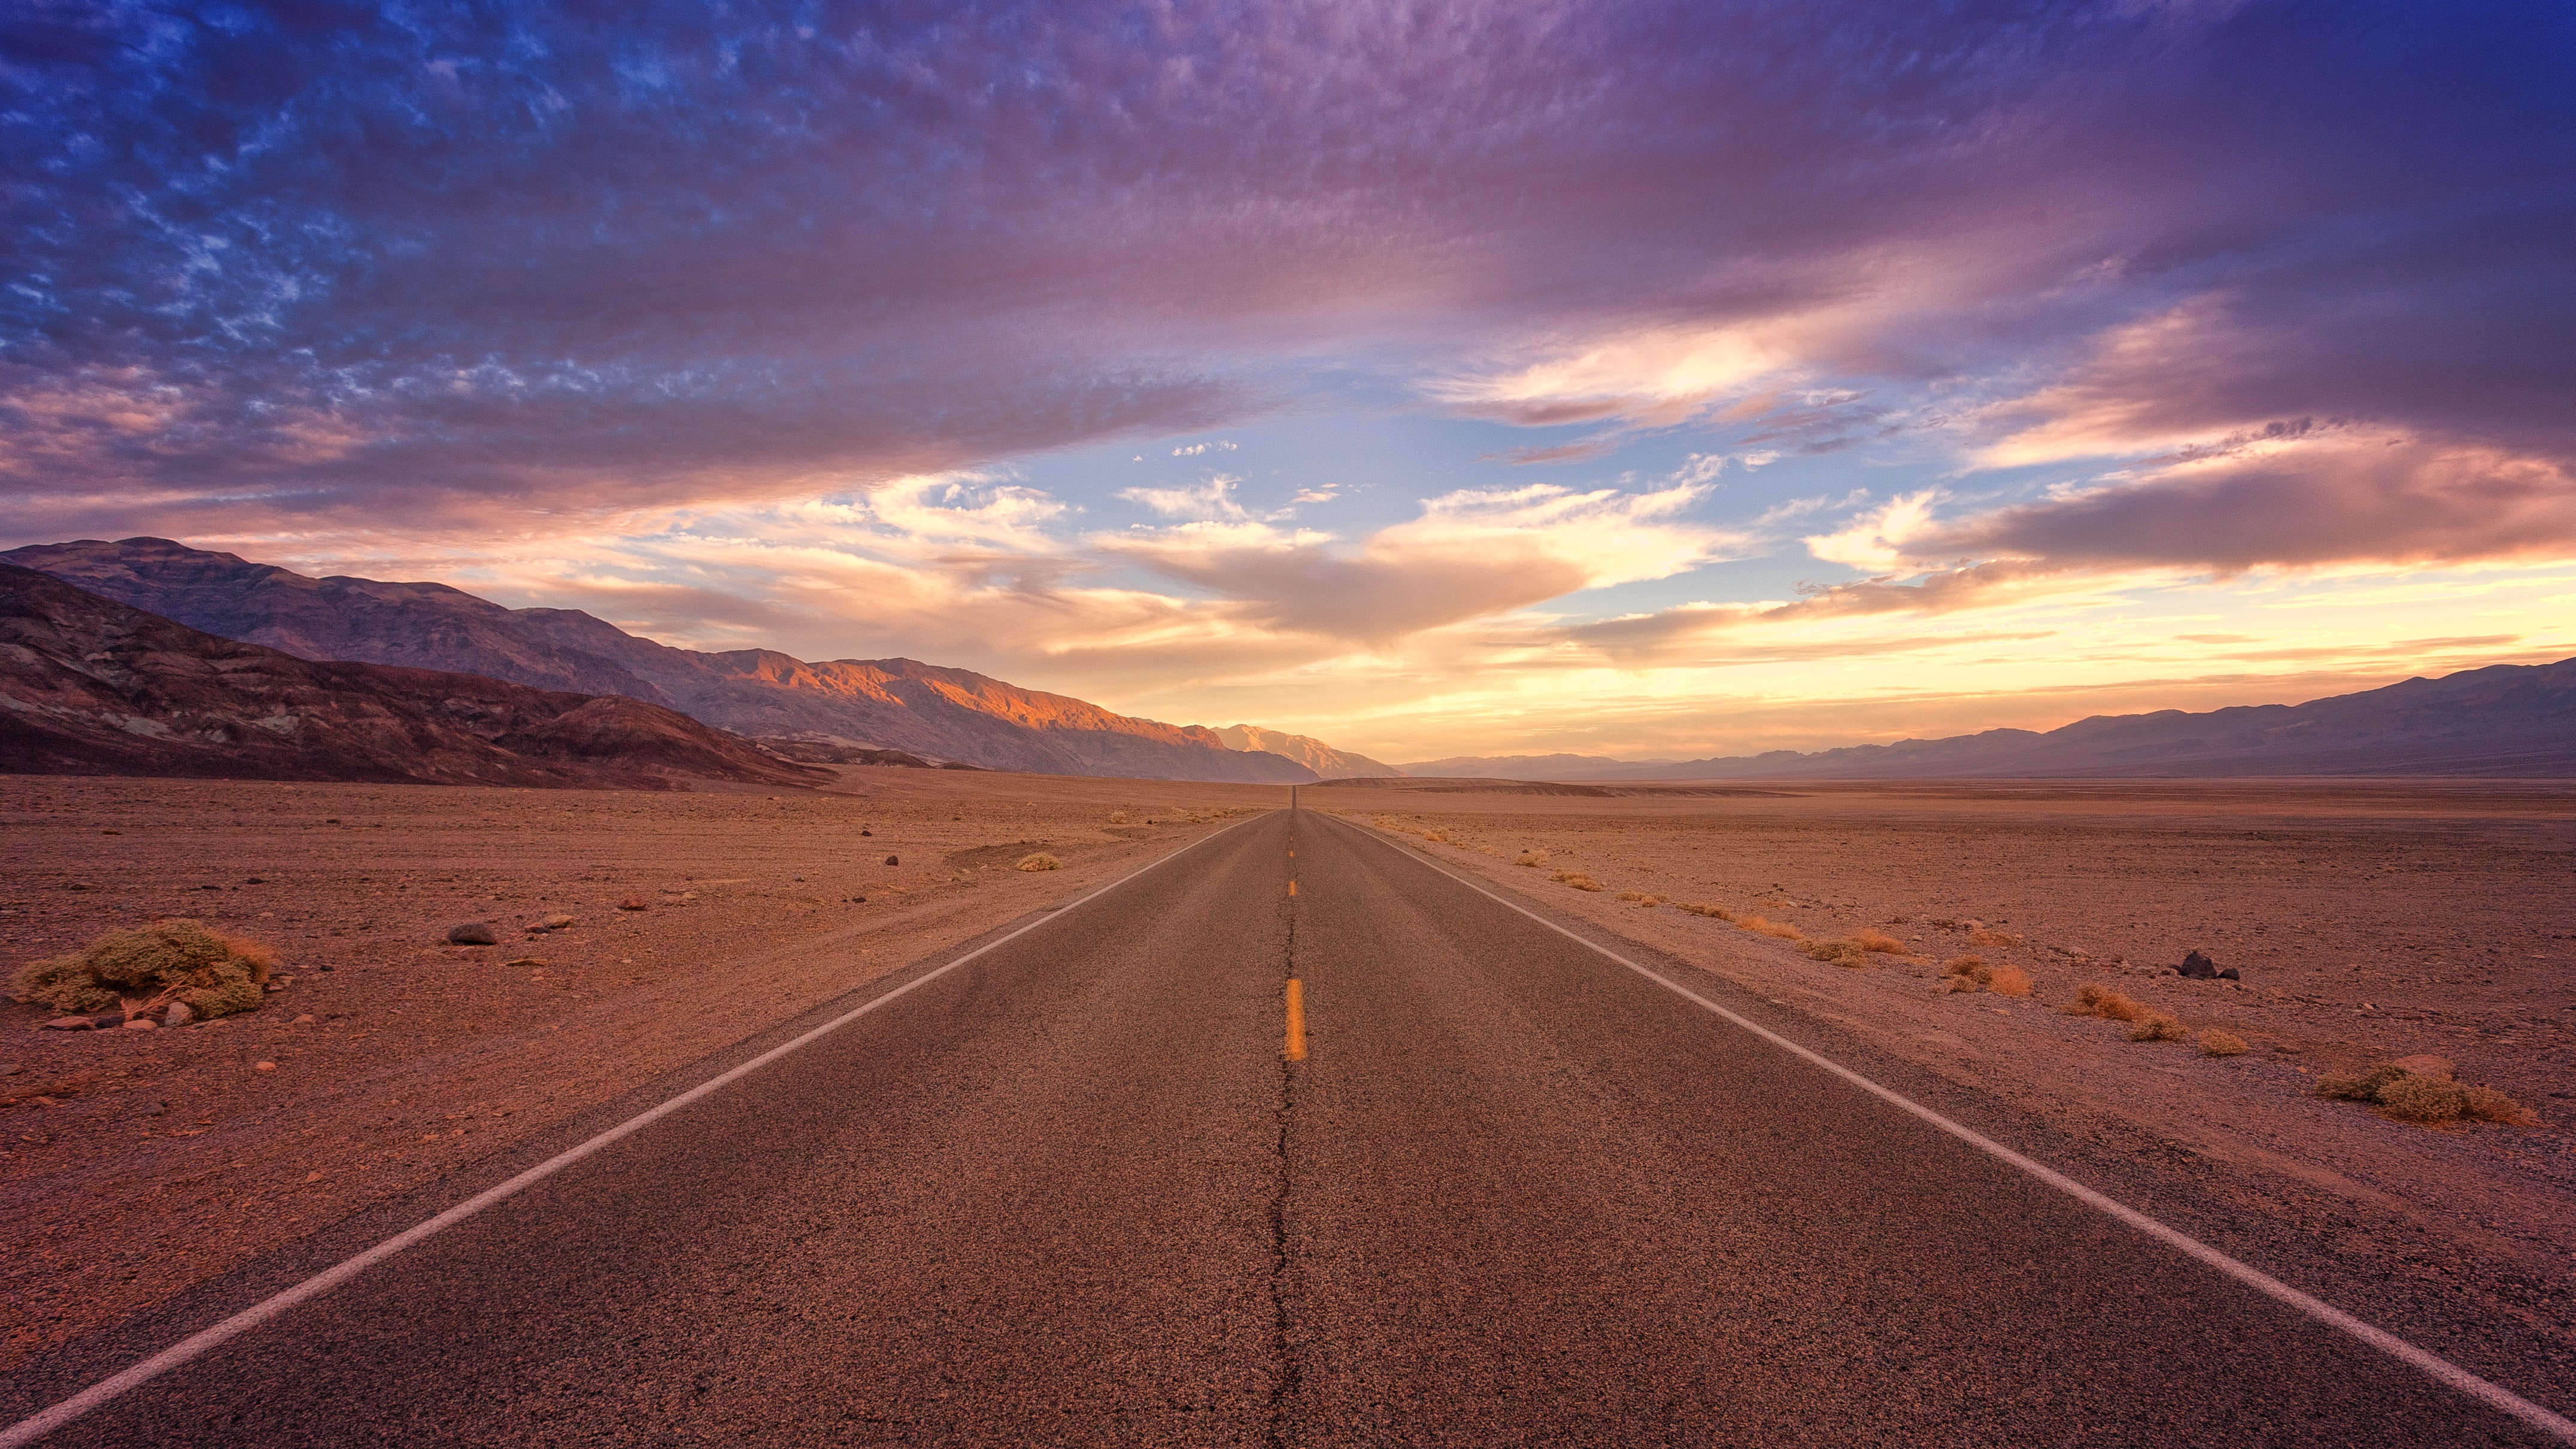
x: 179, y: 1014
x: 554, y: 922
x: 106, y: 1021
x: 142, y: 1023
x: 265, y: 1067
x: 2287, y: 1049
x: 633, y: 903
x: 305, y: 1020
x: 2229, y: 975
x: 891, y: 860
x: 863, y: 830
x: 2199, y: 967
x: 473, y: 933
x: 2426, y: 1065
x: 68, y: 1023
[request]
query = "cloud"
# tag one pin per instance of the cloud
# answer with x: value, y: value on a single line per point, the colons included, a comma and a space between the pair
x: 1469, y: 555
x: 2346, y: 498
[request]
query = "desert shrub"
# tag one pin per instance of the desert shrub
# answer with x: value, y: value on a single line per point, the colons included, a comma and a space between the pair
x: 1040, y: 861
x: 1438, y: 837
x: 1983, y: 937
x: 1531, y: 857
x: 2489, y: 1105
x: 1576, y: 879
x: 2155, y: 1026
x: 167, y: 961
x: 2095, y: 999
x: 1957, y: 984
x: 1761, y: 927
x: 1840, y: 953
x: 1964, y: 966
x: 2216, y: 1043
x: 1880, y: 941
x: 1641, y: 898
x: 2363, y: 1088
x: 1117, y: 817
x: 2008, y: 981
x: 2415, y: 1098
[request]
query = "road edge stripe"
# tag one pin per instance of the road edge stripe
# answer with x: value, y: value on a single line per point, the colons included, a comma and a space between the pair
x: 2493, y: 1395
x: 204, y: 1341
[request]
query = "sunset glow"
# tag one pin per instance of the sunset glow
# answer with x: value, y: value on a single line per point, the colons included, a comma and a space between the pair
x: 1639, y: 380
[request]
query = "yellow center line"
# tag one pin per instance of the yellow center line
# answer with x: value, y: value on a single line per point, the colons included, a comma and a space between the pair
x: 1292, y: 887
x: 1295, y: 1050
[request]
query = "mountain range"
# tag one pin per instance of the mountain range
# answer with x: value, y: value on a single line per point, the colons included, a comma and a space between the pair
x: 2512, y: 720
x: 92, y: 686
x: 884, y: 704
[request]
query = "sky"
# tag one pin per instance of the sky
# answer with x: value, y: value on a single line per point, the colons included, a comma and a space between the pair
x: 1647, y: 380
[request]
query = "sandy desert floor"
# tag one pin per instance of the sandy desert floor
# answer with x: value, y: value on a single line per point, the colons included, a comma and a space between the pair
x: 2369, y: 921
x: 135, y: 1164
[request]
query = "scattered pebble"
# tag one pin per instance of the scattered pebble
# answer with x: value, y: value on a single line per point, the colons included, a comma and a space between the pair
x: 265, y: 1067
x: 633, y: 903
x: 472, y: 933
x: 305, y: 1020
x: 178, y: 1015
x: 142, y: 1023
x: 890, y: 860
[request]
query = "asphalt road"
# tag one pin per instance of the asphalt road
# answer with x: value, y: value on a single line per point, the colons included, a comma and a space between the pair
x: 1077, y: 1192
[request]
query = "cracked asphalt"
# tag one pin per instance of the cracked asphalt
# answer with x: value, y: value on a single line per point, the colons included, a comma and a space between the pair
x: 1077, y: 1192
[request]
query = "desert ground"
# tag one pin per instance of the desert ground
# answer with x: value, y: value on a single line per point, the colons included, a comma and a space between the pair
x: 2367, y: 921
x: 134, y: 1164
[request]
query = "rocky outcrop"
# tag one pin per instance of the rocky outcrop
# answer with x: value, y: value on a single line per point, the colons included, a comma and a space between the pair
x: 89, y: 685
x: 898, y: 704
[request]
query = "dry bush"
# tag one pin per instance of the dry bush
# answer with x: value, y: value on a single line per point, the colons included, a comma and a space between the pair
x: 2008, y: 981
x: 1840, y: 953
x: 1956, y: 984
x: 1642, y: 898
x: 2363, y: 1088
x: 2156, y: 1026
x: 2216, y: 1043
x: 1964, y: 966
x: 2489, y: 1105
x: 1714, y: 913
x: 1438, y: 837
x: 1983, y: 937
x: 1576, y: 879
x: 1761, y: 927
x: 1879, y: 941
x: 1117, y: 817
x: 2094, y: 999
x: 1531, y: 857
x: 2416, y: 1097
x: 167, y: 961
x: 1040, y: 861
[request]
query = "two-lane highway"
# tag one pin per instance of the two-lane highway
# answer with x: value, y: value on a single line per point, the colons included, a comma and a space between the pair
x: 1112, y: 1182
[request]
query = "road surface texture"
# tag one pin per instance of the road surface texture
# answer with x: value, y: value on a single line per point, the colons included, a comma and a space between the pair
x: 1077, y: 1191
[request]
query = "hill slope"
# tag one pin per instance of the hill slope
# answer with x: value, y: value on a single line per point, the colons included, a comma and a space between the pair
x: 901, y: 704
x: 92, y: 686
x: 2503, y: 720
x: 1314, y: 754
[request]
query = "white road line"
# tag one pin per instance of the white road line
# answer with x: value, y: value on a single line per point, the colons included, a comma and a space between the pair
x: 2434, y: 1365
x: 197, y: 1345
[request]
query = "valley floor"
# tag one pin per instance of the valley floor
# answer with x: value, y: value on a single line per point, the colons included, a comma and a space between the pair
x: 2368, y: 920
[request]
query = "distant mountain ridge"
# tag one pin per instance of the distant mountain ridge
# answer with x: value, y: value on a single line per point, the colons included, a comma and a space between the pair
x: 2512, y: 720
x: 89, y: 685
x: 1314, y: 754
x: 899, y: 704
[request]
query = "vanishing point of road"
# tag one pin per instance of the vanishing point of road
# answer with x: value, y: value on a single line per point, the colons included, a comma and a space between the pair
x: 1291, y: 1139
